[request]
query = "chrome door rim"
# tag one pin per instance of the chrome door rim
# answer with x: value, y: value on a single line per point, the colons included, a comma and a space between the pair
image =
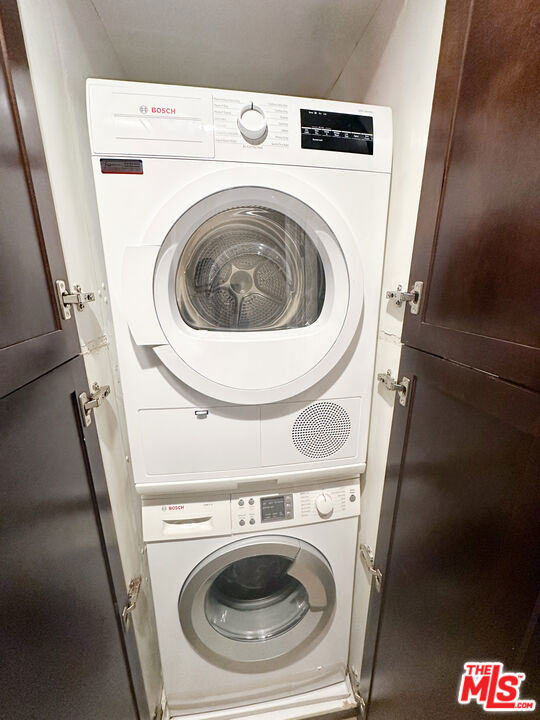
x: 308, y: 566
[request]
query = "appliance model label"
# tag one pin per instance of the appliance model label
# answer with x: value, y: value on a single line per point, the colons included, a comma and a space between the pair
x: 121, y: 166
x: 337, y: 132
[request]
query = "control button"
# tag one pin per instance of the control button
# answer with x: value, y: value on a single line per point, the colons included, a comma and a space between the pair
x: 252, y: 521
x: 352, y: 498
x: 324, y: 505
x: 341, y: 134
x: 251, y: 501
x: 331, y: 133
x: 252, y: 122
x: 241, y: 503
x: 242, y: 522
x: 311, y: 131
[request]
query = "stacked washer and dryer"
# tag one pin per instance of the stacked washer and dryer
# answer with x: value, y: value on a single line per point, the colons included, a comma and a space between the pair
x: 243, y: 238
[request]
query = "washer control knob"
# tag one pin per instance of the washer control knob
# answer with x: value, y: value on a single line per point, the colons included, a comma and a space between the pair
x: 252, y: 521
x: 252, y: 122
x: 242, y: 522
x: 324, y: 505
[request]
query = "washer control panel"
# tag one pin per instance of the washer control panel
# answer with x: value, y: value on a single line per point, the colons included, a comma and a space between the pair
x: 264, y: 510
x: 183, y: 519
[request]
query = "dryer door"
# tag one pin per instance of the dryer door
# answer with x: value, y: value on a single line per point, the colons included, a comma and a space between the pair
x: 257, y: 290
x: 259, y: 600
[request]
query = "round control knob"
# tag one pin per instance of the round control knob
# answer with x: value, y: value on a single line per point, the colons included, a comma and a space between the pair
x: 252, y: 123
x: 324, y: 505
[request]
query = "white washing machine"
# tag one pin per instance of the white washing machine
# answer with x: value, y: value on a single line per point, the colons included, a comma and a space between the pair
x: 243, y: 238
x: 253, y: 596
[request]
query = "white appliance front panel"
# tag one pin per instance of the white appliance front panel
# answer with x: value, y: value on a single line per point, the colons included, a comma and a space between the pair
x: 184, y: 669
x: 168, y: 122
x: 188, y: 440
x: 178, y: 519
x: 288, y: 436
x: 128, y: 206
x: 143, y: 119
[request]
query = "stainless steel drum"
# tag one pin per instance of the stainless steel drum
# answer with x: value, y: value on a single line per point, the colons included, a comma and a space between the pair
x: 249, y: 268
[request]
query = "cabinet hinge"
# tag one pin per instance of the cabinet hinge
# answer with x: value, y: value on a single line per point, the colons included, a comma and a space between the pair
x: 366, y: 553
x: 401, y: 387
x: 413, y: 297
x: 88, y: 402
x: 131, y: 602
x: 354, y: 677
x: 78, y: 298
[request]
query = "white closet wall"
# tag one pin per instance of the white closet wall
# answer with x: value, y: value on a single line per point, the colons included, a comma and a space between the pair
x: 395, y: 63
x: 66, y: 43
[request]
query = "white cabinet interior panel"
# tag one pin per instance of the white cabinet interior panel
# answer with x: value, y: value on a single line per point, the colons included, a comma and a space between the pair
x: 271, y: 46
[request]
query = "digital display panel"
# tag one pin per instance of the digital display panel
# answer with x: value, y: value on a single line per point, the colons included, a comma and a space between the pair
x: 273, y: 508
x: 337, y: 132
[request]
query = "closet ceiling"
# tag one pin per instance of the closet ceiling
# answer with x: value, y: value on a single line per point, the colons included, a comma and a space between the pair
x: 293, y: 47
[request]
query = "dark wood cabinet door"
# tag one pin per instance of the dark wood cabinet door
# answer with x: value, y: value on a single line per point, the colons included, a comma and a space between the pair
x: 477, y: 248
x: 33, y: 336
x: 62, y: 648
x: 458, y: 542
x: 64, y: 651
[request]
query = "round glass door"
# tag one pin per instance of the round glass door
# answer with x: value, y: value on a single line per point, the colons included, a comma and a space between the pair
x: 250, y: 268
x: 251, y: 291
x: 257, y: 600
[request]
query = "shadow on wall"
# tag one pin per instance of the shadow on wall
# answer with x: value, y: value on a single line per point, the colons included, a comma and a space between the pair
x: 355, y: 78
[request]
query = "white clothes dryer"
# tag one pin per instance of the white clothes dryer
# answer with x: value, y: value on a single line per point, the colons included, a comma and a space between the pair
x: 243, y: 238
x: 253, y: 595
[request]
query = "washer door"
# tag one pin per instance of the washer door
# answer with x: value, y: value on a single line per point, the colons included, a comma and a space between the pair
x: 251, y: 286
x: 257, y: 600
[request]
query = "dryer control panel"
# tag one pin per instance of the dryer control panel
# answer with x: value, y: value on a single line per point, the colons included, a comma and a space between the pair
x: 145, y: 120
x: 337, y: 132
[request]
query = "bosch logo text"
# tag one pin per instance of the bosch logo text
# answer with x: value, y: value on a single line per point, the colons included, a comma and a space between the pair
x: 175, y: 507
x: 154, y: 110
x: 163, y: 110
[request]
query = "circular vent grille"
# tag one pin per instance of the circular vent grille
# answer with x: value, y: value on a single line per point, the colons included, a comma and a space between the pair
x: 321, y: 429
